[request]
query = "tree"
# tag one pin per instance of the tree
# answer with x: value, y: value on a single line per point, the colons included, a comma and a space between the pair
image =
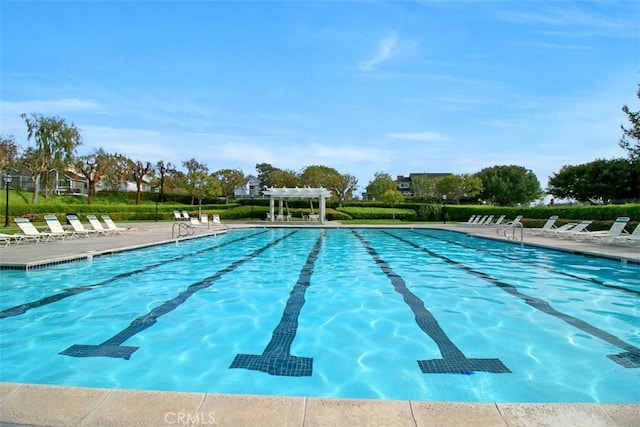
x: 392, y: 197
x: 343, y: 187
x: 421, y: 187
x: 140, y: 170
x: 196, y: 178
x: 632, y: 133
x: 229, y: 179
x: 163, y: 170
x: 381, y: 182
x: 509, y: 185
x: 284, y: 178
x: 206, y: 186
x: 8, y: 152
x: 457, y: 187
x: 56, y: 142
x: 93, y: 167
x: 265, y: 171
x: 119, y: 169
x: 32, y: 161
x: 319, y: 176
x: 600, y: 181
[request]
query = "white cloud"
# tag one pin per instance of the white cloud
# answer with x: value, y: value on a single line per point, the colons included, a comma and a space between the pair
x: 49, y: 106
x: 419, y: 136
x: 385, y: 49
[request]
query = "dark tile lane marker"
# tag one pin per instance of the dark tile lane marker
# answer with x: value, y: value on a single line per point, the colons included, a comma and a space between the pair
x: 276, y: 359
x: 76, y: 290
x: 453, y: 360
x: 113, y: 348
x: 628, y: 359
x: 537, y: 265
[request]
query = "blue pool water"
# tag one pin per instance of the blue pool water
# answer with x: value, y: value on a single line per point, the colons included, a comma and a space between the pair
x: 358, y: 313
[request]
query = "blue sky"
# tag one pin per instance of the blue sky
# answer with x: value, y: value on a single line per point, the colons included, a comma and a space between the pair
x: 360, y: 86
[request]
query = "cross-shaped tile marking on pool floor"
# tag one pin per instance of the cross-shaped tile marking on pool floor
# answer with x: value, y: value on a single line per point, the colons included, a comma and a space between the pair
x: 113, y: 348
x: 628, y: 359
x: 276, y: 359
x: 453, y: 360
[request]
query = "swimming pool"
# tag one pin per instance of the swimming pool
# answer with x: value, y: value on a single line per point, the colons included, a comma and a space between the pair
x: 364, y: 313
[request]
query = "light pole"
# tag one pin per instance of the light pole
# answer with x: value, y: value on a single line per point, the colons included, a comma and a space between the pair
x: 7, y: 180
x: 444, y: 208
x: 157, y: 190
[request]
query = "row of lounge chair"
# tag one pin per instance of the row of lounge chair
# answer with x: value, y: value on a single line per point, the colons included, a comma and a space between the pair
x: 579, y: 231
x: 202, y: 220
x: 573, y: 230
x: 29, y: 233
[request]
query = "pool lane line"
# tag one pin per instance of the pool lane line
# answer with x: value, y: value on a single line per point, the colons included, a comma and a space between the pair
x: 622, y: 289
x: 113, y: 348
x: 630, y: 358
x: 76, y: 290
x: 453, y: 360
x: 276, y: 359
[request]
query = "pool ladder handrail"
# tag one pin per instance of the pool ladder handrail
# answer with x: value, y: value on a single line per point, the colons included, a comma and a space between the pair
x: 513, y: 231
x: 182, y: 227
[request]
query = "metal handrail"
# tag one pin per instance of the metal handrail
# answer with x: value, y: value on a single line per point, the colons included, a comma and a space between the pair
x: 187, y: 228
x: 513, y: 231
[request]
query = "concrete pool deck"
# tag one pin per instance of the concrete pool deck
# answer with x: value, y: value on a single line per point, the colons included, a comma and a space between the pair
x: 40, y: 405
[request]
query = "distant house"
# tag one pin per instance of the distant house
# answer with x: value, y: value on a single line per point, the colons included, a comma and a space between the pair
x: 251, y: 188
x: 71, y: 182
x: 405, y: 183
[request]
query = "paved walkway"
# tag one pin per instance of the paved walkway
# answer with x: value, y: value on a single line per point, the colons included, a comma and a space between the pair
x: 30, y: 404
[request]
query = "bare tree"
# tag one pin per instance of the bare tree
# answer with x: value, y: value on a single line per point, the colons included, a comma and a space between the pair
x: 56, y: 142
x: 140, y: 170
x: 93, y: 168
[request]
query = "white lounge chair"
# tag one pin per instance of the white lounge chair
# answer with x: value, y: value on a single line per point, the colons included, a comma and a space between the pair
x: 581, y: 227
x: 11, y: 238
x: 617, y: 228
x: 195, y: 222
x: 469, y: 221
x: 561, y: 229
x: 185, y: 216
x: 479, y: 220
x: 115, y: 228
x: 30, y: 231
x: 499, y: 220
x: 177, y: 215
x: 629, y: 238
x: 97, y: 225
x: 549, y: 225
x: 487, y: 221
x: 56, y: 228
x: 80, y: 229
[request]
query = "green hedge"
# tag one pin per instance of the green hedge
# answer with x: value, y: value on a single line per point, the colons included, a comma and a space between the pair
x: 379, y: 213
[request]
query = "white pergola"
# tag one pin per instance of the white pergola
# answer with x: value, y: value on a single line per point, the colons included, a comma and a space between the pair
x: 296, y: 193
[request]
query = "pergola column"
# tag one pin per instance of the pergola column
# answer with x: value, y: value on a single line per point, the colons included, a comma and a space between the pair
x: 322, y: 207
x: 271, y: 208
